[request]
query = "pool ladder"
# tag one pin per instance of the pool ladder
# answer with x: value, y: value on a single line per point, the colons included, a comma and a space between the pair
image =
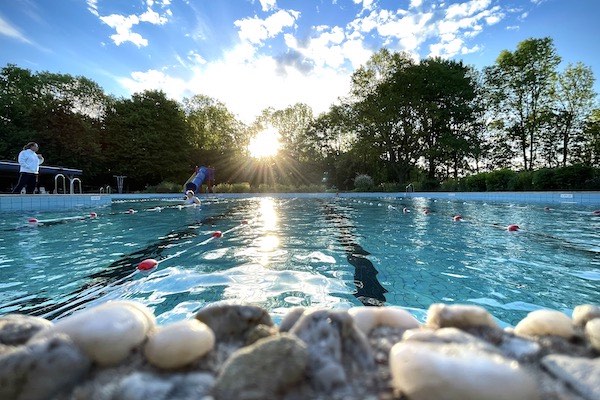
x: 72, y: 182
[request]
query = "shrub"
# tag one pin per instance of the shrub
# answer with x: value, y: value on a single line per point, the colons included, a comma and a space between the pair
x: 390, y: 187
x: 363, y: 183
x: 476, y: 183
x: 451, y: 185
x: 243, y: 187
x: 499, y: 180
x: 573, y: 176
x: 427, y: 185
x: 543, y: 179
x: 521, y: 181
x: 165, y: 187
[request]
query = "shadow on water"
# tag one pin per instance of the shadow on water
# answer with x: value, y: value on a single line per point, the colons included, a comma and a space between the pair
x: 368, y: 289
x: 97, y: 284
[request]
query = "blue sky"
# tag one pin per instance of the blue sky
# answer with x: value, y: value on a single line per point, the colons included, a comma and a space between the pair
x: 252, y: 54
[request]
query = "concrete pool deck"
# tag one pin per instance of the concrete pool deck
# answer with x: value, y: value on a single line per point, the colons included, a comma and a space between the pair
x: 63, y: 202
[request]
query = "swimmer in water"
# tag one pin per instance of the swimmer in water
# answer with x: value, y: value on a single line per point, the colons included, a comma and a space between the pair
x: 191, y: 198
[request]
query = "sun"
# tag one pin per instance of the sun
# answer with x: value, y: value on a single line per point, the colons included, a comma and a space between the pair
x: 265, y: 144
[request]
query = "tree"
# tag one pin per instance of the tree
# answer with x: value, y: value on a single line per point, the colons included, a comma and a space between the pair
x: 519, y: 87
x: 147, y: 139
x: 574, y: 93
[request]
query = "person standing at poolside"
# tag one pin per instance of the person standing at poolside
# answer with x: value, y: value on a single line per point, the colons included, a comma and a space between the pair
x: 29, y: 162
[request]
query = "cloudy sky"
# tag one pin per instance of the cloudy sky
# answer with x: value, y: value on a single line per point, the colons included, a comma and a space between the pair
x: 252, y: 54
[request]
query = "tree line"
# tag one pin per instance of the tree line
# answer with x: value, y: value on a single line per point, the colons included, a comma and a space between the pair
x: 431, y: 121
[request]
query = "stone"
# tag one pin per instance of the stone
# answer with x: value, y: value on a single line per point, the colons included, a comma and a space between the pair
x: 584, y: 313
x: 178, y: 344
x: 292, y: 316
x: 16, y: 329
x: 582, y: 374
x: 423, y: 371
x: 42, y: 368
x: 458, y: 316
x: 367, y: 318
x: 519, y: 348
x: 337, y: 350
x: 545, y: 322
x: 448, y: 335
x: 231, y: 321
x: 107, y: 333
x: 262, y: 370
x: 592, y: 331
x: 147, y: 386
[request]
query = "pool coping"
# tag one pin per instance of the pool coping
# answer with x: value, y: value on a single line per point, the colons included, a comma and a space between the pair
x: 55, y: 202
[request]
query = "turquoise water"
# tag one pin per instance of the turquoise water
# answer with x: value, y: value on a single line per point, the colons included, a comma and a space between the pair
x: 279, y: 253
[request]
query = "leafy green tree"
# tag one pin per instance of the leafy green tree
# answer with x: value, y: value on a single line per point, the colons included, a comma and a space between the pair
x: 574, y: 93
x: 519, y: 85
x: 147, y: 139
x: 218, y: 139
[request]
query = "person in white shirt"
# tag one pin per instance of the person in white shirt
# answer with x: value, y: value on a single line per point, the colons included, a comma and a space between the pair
x: 29, y: 162
x: 190, y: 198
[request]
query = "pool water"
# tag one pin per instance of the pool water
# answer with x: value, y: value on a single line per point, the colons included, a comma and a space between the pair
x: 284, y: 252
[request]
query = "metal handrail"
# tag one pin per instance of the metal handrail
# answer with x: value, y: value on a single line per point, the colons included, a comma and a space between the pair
x: 72, y: 186
x: 56, y: 183
x: 411, y: 187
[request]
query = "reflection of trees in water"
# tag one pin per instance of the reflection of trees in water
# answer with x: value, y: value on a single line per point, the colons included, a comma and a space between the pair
x: 368, y: 289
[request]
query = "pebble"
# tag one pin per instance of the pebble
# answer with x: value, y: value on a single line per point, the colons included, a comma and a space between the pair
x: 582, y: 374
x: 178, y: 344
x: 41, y: 368
x: 107, y: 333
x: 423, y: 371
x: 233, y: 322
x: 584, y: 313
x: 545, y: 322
x: 147, y: 386
x: 592, y: 331
x: 367, y: 318
x: 18, y: 329
x: 262, y: 370
x: 459, y: 316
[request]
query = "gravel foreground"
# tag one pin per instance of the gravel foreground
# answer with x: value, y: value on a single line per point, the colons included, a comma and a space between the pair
x: 116, y: 351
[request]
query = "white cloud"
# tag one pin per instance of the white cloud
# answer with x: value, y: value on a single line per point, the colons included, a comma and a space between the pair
x: 256, y: 30
x: 123, y: 25
x: 268, y: 5
x: 366, y: 4
x: 93, y: 7
x: 7, y: 29
x: 196, y: 58
x: 415, y: 3
x: 175, y: 88
x: 467, y: 9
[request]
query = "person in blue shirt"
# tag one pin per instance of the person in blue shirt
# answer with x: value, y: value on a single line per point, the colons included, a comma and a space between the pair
x: 202, y: 174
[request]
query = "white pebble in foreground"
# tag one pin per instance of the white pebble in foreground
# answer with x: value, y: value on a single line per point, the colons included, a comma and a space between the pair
x: 584, y: 313
x: 458, y: 316
x: 423, y: 372
x: 367, y: 318
x: 545, y: 322
x: 592, y: 331
x: 178, y: 344
x: 107, y: 333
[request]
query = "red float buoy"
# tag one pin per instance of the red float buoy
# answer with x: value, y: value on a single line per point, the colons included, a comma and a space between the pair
x: 32, y: 220
x: 93, y: 215
x: 512, y: 228
x: 596, y: 212
x: 130, y: 211
x: 147, y: 264
x: 244, y: 222
x: 217, y: 234
x: 457, y: 218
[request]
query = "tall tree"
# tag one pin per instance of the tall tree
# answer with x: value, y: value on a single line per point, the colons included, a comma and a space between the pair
x: 574, y: 93
x: 519, y: 85
x: 147, y: 139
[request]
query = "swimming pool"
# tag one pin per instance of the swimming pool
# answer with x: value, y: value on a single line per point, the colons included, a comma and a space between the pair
x: 283, y: 252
